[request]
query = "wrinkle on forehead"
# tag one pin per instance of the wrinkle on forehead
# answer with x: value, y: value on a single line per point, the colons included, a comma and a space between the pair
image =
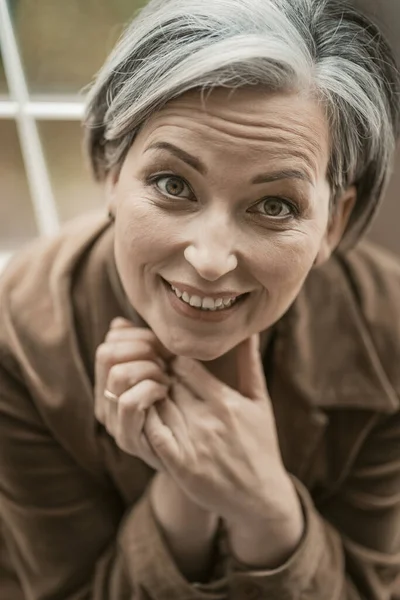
x: 278, y: 125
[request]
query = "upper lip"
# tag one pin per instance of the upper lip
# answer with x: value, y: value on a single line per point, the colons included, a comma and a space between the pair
x: 192, y: 291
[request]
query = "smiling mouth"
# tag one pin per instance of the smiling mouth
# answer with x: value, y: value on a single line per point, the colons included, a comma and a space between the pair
x: 224, y: 307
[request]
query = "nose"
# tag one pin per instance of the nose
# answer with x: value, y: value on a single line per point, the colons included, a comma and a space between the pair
x: 211, y: 252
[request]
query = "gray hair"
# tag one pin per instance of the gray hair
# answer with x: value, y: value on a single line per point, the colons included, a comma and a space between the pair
x: 325, y: 46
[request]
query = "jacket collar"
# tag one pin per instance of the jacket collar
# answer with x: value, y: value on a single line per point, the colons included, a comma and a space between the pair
x: 325, y: 352
x: 324, y: 359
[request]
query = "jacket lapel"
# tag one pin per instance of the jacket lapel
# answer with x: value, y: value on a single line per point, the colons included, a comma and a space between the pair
x: 323, y: 359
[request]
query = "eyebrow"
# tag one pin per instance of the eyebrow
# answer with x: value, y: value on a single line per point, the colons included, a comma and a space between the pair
x: 196, y: 163
x: 181, y: 154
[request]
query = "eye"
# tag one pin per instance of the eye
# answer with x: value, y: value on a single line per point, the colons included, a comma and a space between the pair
x: 276, y: 208
x: 171, y: 185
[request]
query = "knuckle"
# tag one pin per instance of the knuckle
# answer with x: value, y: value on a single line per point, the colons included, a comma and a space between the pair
x: 228, y: 407
x: 153, y: 387
x: 144, y: 395
x: 112, y: 335
x: 231, y: 403
x: 158, y: 441
x: 120, y: 322
x: 147, y: 334
x: 118, y: 373
x: 154, y: 371
x: 103, y: 355
x: 148, y: 350
x: 124, y: 442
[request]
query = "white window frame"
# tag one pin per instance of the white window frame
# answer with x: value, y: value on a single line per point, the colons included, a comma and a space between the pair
x: 26, y: 111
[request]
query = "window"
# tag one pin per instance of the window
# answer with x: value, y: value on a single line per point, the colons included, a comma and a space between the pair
x: 49, y: 51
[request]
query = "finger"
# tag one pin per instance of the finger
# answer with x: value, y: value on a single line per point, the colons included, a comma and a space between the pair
x: 120, y: 323
x: 126, y: 329
x: 171, y: 415
x: 132, y: 407
x: 139, y: 447
x: 182, y: 414
x: 135, y: 336
x: 203, y: 384
x: 250, y: 369
x: 120, y: 378
x: 130, y: 333
x: 161, y: 439
x: 127, y: 334
x: 148, y: 455
x: 123, y: 376
x: 108, y: 355
x: 182, y: 397
x: 110, y: 416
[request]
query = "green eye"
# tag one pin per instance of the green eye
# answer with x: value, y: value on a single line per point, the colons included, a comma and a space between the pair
x: 276, y: 208
x: 173, y: 186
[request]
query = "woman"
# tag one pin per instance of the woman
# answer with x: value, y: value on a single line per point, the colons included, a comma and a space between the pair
x: 199, y: 394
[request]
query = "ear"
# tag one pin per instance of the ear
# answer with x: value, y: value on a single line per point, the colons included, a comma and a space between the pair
x: 110, y: 187
x: 337, y: 224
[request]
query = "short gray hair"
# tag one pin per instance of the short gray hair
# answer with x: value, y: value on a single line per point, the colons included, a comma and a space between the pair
x: 326, y: 46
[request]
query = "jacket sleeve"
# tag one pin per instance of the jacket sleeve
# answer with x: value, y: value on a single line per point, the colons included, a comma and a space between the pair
x: 351, y: 546
x: 60, y: 528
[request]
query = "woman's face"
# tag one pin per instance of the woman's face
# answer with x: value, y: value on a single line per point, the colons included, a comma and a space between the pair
x: 227, y: 194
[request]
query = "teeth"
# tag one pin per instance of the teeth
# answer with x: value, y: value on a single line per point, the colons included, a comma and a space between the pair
x: 208, y: 303
x: 195, y: 301
x: 205, y: 303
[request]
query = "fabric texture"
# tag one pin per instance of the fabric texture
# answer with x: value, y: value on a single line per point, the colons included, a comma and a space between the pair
x: 76, y: 520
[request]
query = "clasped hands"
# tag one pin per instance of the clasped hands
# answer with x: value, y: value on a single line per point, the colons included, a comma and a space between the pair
x: 219, y: 444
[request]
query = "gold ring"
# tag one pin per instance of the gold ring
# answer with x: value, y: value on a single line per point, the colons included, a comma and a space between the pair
x: 111, y: 396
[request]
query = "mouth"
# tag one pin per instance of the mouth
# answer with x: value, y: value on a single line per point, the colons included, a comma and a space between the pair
x: 213, y: 314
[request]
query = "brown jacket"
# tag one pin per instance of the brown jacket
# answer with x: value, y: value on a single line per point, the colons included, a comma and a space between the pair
x: 75, y: 512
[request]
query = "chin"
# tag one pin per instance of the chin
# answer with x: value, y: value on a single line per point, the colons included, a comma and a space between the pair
x: 198, y: 350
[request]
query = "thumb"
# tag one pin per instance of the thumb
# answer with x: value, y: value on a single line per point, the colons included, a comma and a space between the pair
x: 251, y: 378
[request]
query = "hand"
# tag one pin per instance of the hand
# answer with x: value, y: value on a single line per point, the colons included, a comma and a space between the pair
x: 221, y: 445
x: 130, y: 364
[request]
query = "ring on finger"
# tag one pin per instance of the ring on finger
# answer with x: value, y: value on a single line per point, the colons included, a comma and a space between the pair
x: 110, y: 396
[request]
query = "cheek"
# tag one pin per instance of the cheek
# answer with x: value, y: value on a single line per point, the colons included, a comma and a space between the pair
x: 143, y: 231
x: 286, y: 258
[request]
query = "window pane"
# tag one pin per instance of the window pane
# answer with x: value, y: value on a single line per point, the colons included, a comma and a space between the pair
x: 74, y: 190
x: 64, y: 43
x: 17, y: 221
x: 3, y: 83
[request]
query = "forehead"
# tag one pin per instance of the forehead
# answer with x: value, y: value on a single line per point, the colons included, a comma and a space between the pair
x: 247, y: 122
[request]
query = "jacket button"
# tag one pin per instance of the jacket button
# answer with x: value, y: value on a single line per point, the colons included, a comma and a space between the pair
x: 250, y: 591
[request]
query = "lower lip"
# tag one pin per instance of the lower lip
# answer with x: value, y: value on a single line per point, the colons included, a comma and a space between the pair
x: 186, y: 310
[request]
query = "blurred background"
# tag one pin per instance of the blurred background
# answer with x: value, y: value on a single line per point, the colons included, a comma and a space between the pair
x: 50, y: 50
